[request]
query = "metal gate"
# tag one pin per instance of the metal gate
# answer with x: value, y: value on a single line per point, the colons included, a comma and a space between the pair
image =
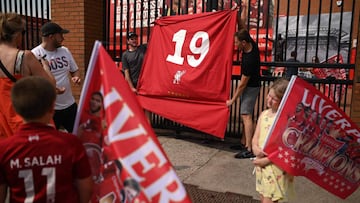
x: 35, y: 13
x: 325, y: 30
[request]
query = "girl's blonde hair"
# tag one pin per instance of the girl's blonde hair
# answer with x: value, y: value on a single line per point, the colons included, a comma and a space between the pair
x: 279, y: 86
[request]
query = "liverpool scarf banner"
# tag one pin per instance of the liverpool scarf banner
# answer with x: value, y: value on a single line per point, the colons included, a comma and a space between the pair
x: 187, y: 70
x: 127, y: 161
x: 312, y: 137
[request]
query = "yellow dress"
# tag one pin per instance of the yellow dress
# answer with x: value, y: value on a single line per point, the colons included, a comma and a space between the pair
x: 271, y: 181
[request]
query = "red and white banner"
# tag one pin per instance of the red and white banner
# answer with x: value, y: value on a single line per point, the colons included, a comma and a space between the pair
x: 127, y: 161
x: 187, y: 70
x: 312, y: 137
x: 332, y: 91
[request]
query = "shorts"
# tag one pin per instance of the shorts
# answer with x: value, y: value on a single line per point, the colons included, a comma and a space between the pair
x: 248, y: 100
x: 66, y: 117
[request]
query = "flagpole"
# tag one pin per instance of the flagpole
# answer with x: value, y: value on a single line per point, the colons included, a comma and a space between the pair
x: 89, y: 72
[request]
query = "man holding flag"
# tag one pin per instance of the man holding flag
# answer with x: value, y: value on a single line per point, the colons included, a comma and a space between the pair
x: 249, y: 86
x: 132, y: 60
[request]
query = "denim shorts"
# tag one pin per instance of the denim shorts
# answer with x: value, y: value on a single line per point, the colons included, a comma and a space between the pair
x: 248, y: 100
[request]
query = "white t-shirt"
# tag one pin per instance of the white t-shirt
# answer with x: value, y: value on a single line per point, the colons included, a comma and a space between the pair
x: 61, y: 63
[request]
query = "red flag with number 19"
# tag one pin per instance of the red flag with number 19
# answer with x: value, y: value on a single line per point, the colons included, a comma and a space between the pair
x: 187, y: 70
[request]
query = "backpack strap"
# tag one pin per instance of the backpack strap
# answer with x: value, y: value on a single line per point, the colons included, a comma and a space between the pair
x: 7, y: 73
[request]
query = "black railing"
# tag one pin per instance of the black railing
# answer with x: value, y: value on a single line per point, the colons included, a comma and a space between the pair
x: 321, y: 29
x: 35, y: 14
x: 312, y: 28
x: 338, y: 90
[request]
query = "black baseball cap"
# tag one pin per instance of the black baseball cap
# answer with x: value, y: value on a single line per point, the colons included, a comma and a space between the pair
x: 131, y: 34
x: 52, y: 28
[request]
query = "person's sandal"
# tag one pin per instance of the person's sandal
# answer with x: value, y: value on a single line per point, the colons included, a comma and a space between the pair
x: 244, y: 155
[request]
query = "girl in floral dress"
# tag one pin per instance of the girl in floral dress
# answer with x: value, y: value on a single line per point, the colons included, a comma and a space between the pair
x: 272, y: 183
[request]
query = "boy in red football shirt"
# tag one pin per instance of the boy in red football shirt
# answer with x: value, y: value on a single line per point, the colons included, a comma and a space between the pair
x: 39, y: 163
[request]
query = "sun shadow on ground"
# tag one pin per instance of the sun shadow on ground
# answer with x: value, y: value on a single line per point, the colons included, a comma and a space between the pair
x: 202, y: 139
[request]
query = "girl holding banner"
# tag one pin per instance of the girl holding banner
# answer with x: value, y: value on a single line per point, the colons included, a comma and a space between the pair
x: 272, y: 183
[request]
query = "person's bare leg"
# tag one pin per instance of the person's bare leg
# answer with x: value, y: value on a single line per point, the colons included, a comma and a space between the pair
x: 267, y: 200
x: 261, y: 198
x: 248, y: 130
x: 243, y: 139
x: 242, y: 135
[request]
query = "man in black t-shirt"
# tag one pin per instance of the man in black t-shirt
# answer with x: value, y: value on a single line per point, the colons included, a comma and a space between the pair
x: 292, y: 70
x: 249, y: 86
x: 132, y: 60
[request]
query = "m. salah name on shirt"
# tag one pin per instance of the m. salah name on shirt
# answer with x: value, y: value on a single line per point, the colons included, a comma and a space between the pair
x: 36, y: 161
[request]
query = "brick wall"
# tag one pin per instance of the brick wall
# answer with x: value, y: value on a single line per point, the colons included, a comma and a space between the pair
x: 84, y: 20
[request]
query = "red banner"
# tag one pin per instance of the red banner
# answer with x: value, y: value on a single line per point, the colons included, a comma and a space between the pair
x: 128, y: 163
x: 187, y: 70
x: 332, y: 91
x: 312, y: 137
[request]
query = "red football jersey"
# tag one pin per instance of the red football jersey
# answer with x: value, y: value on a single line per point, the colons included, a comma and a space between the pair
x: 90, y: 128
x: 40, y: 164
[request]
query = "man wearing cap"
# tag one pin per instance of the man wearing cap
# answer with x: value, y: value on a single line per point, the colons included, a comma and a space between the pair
x: 61, y: 63
x: 132, y: 60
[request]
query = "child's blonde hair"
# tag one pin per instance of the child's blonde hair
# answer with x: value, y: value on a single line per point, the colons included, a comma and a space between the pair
x: 279, y: 86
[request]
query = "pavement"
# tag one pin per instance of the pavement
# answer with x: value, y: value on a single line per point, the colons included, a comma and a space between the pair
x: 208, y: 163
